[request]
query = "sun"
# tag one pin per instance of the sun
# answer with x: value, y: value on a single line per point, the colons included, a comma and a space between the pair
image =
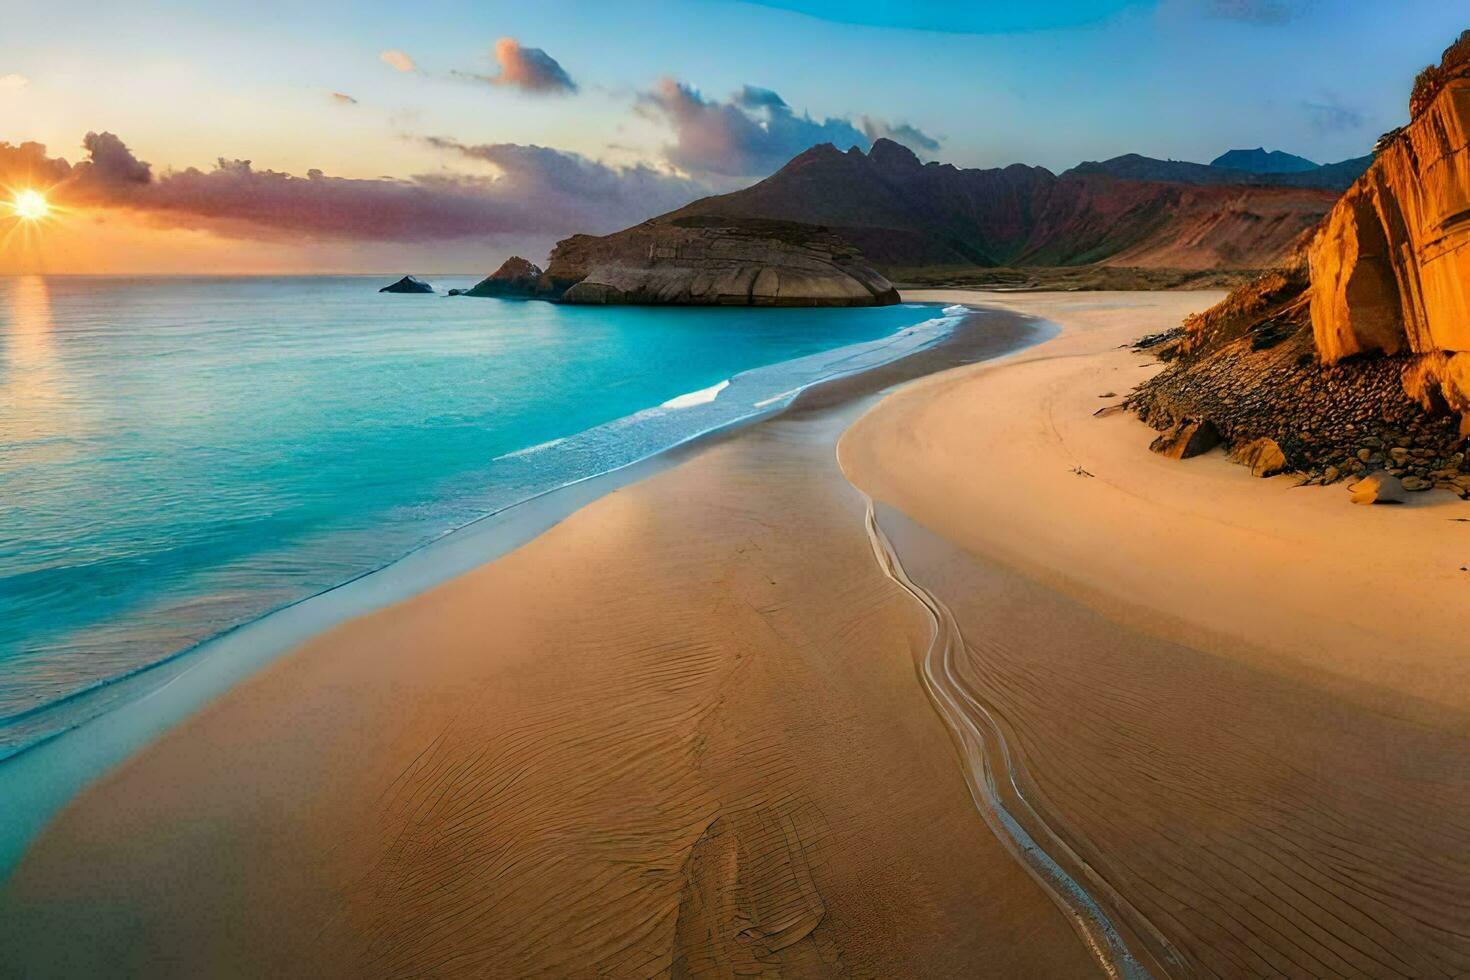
x: 30, y: 205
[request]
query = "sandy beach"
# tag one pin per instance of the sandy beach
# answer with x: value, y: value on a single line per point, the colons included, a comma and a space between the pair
x: 1242, y: 703
x: 679, y: 733
x: 692, y: 729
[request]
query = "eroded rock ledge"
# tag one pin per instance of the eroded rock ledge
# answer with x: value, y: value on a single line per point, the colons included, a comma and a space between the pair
x: 700, y: 261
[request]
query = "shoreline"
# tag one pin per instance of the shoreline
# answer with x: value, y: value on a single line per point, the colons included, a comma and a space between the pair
x: 44, y: 775
x: 694, y: 740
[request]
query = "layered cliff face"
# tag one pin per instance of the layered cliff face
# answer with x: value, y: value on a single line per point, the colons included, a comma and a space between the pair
x: 702, y: 261
x: 1390, y: 268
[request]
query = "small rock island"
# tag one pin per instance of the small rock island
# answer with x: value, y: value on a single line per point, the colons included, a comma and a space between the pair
x: 408, y: 284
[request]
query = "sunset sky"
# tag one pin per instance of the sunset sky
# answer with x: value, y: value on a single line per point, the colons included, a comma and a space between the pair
x: 442, y: 135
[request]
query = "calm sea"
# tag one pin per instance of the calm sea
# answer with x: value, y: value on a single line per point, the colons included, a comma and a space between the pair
x: 179, y: 456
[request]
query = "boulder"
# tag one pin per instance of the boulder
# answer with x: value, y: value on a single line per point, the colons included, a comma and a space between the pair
x: 408, y: 284
x: 1263, y: 456
x: 1377, y: 488
x: 1189, y: 437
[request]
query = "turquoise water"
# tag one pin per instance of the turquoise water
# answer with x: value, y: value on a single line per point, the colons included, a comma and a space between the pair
x: 179, y: 456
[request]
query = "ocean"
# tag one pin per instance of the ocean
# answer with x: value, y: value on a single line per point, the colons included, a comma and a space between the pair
x: 180, y: 456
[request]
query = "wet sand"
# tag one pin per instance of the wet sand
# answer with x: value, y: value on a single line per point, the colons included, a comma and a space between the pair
x: 678, y: 734
x: 1239, y: 704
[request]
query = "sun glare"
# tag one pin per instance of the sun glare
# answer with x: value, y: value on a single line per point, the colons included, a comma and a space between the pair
x: 30, y: 205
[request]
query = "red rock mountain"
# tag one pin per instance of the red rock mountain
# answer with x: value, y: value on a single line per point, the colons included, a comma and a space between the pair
x: 904, y: 214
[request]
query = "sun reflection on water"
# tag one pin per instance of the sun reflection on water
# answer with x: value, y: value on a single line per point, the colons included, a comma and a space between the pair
x: 32, y: 392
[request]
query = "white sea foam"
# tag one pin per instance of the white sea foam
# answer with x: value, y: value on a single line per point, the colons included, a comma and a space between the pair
x: 529, y: 450
x: 701, y: 397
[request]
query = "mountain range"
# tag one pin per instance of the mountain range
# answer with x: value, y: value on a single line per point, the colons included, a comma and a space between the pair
x: 836, y: 228
x: 1131, y: 211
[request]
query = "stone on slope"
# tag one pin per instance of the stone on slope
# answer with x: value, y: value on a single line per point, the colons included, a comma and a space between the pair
x: 1377, y: 488
x: 1189, y: 437
x: 1263, y: 456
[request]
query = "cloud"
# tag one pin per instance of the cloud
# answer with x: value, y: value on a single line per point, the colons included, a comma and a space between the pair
x: 13, y: 81
x: 398, y: 60
x: 751, y: 134
x: 755, y: 97
x: 342, y: 98
x: 528, y: 69
x: 27, y: 165
x: 1333, y: 117
x: 538, y: 191
x: 911, y: 136
x: 110, y: 162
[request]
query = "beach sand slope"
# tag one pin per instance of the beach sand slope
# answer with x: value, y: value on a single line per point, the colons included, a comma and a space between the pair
x: 1243, y: 704
x: 679, y: 734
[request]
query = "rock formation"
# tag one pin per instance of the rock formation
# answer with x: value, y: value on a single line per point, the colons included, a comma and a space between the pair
x: 716, y: 261
x: 699, y: 261
x: 408, y: 284
x: 516, y: 277
x: 1390, y: 269
x: 1354, y: 356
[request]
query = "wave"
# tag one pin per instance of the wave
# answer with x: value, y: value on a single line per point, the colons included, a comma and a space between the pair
x: 701, y: 397
x: 530, y: 450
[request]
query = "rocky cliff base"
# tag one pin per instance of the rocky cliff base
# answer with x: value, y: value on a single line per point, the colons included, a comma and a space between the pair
x: 1277, y: 409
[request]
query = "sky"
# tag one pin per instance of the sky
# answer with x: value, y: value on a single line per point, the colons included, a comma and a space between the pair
x: 183, y: 136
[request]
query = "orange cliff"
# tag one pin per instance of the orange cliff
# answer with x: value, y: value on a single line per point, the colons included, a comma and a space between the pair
x: 1390, y: 267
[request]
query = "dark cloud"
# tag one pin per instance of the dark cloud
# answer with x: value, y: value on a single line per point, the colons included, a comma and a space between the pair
x: 1333, y: 117
x: 910, y: 136
x: 751, y: 134
x: 529, y: 69
x: 110, y: 163
x: 755, y: 97
x: 538, y: 191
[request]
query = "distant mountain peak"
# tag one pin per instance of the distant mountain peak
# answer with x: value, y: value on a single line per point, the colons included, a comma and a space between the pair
x: 1263, y: 161
x: 889, y: 154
